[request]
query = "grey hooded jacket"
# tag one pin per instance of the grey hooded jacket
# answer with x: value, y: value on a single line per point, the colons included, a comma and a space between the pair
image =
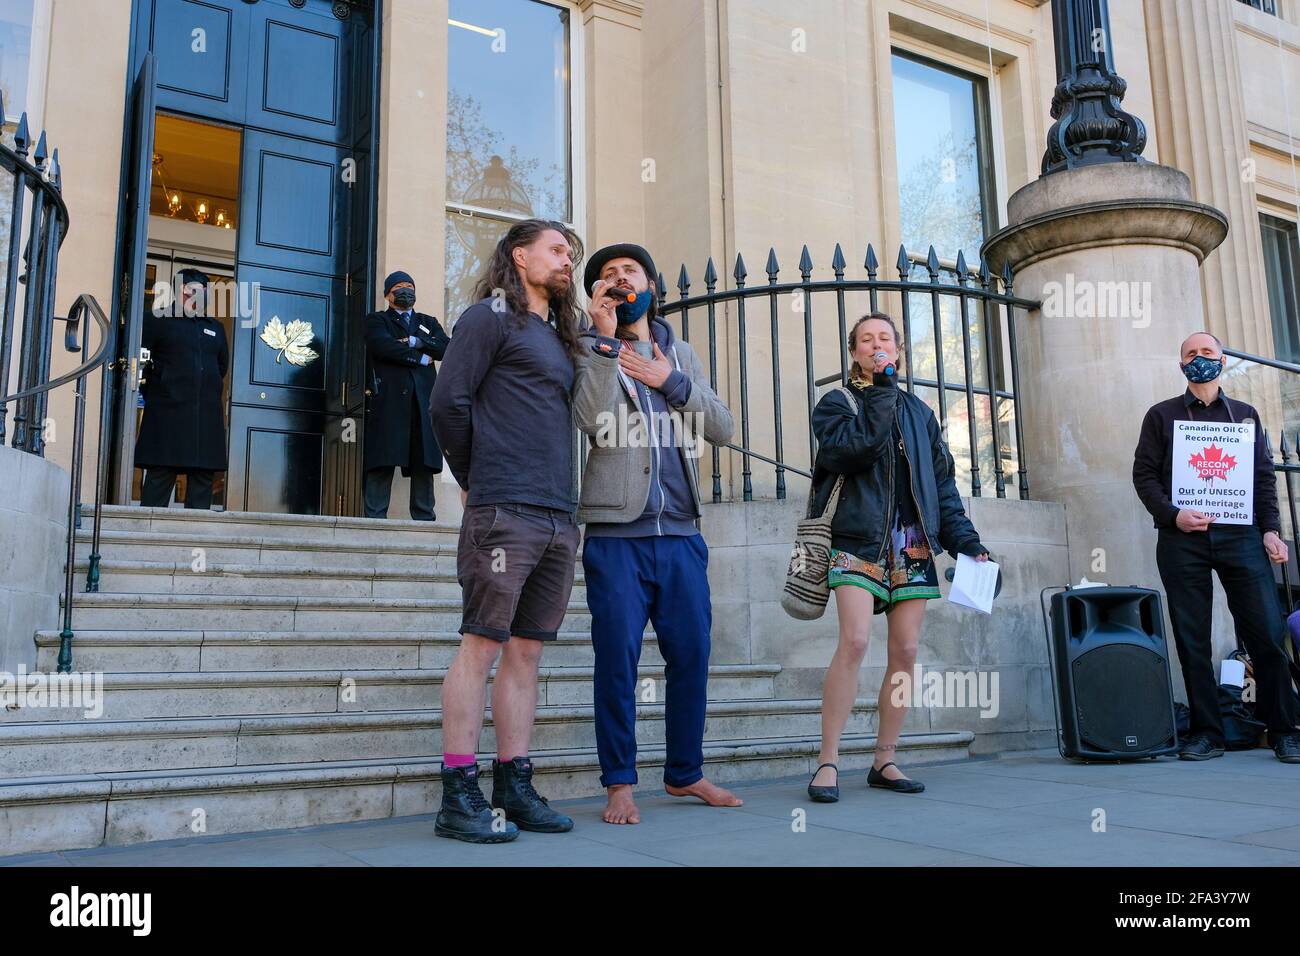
x: 623, y: 460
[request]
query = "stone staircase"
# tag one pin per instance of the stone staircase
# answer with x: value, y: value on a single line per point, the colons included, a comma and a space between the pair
x: 268, y: 671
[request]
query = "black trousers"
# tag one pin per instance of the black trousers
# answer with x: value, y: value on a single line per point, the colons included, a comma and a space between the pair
x: 160, y: 482
x: 1236, y: 553
x: 377, y: 490
x: 377, y: 487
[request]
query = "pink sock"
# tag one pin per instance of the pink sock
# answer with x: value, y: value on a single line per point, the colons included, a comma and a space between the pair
x: 459, y: 760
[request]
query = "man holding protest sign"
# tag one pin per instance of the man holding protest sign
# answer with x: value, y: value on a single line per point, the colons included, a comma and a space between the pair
x: 1202, y: 471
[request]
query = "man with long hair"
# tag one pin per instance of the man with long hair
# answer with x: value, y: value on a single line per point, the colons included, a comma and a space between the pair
x: 501, y: 411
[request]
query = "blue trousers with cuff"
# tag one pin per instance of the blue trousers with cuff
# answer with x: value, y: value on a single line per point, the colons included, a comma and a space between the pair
x: 663, y: 580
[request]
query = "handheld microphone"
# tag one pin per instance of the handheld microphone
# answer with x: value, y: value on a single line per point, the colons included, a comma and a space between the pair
x: 889, y: 366
x: 627, y: 295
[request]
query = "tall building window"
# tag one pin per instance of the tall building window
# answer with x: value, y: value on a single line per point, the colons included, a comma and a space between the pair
x: 1268, y: 6
x: 945, y: 173
x: 15, y: 58
x: 947, y: 198
x: 509, y: 129
x: 1282, y: 269
x: 15, y: 68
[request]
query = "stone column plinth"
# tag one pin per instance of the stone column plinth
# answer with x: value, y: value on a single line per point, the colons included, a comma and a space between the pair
x: 1113, y: 252
x: 33, y: 543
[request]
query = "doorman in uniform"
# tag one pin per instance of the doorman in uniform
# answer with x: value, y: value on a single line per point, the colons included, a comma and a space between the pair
x: 403, y: 345
x: 184, y: 425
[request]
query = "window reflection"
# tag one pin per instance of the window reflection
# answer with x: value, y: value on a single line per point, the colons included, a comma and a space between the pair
x: 946, y: 199
x: 15, y: 55
x: 15, y: 65
x: 508, y: 128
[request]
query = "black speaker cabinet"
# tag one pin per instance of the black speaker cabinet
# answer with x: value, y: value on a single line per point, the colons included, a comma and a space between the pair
x: 1113, y: 691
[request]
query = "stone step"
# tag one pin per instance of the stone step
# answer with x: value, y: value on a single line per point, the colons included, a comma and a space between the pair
x: 214, y: 547
x: 116, y: 809
x: 416, y: 580
x: 102, y: 746
x: 133, y: 650
x: 310, y: 529
x: 100, y: 611
x: 147, y: 696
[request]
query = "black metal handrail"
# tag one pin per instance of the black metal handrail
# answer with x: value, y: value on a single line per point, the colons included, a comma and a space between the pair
x: 964, y: 285
x: 83, y: 303
x: 1260, y: 360
x: 47, y: 228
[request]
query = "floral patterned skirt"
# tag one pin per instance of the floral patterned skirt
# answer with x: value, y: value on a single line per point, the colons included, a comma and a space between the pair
x: 908, y: 573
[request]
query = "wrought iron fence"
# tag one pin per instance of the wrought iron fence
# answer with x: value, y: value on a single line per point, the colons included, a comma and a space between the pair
x: 1286, y: 447
x: 37, y: 200
x: 952, y: 316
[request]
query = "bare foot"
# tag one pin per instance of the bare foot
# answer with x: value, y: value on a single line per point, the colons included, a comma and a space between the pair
x: 710, y: 793
x: 620, y: 808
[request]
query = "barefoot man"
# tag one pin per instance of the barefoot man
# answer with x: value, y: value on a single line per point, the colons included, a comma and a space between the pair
x: 644, y: 401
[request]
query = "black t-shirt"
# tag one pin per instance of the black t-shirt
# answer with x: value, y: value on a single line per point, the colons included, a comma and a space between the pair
x: 903, y: 502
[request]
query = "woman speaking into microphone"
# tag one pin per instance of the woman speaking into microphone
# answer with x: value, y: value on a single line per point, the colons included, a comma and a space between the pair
x: 898, y: 503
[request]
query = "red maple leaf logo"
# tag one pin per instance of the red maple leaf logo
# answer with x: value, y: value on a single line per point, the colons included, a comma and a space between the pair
x: 1212, y: 463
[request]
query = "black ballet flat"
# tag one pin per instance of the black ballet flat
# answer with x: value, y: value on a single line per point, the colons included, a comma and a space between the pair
x: 877, y: 779
x: 825, y: 794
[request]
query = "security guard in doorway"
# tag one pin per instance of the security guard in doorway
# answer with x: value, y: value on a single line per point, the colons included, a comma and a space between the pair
x: 403, y: 345
x: 183, y: 429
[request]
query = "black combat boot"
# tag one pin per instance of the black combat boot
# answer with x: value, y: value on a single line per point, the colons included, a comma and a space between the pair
x: 512, y: 791
x: 465, y: 814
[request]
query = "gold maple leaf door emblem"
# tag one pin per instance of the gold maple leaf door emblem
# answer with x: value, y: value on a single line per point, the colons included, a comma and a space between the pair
x: 290, y: 341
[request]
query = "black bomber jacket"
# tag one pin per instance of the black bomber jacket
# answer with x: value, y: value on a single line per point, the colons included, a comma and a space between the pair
x: 863, y: 447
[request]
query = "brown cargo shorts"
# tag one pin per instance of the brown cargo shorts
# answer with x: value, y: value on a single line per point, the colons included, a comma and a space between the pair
x: 515, y: 564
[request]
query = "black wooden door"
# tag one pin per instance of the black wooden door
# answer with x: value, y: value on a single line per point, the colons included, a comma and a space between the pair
x: 129, y: 291
x: 299, y: 80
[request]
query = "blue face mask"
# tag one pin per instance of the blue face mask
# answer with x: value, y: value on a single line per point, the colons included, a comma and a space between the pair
x: 629, y: 312
x: 1202, y: 369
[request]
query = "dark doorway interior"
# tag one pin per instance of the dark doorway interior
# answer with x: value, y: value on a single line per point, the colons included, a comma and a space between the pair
x: 193, y: 218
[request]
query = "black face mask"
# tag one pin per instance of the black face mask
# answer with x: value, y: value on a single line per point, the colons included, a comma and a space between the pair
x: 404, y: 298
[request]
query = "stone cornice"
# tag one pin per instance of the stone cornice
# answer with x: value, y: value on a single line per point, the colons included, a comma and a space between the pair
x: 943, y: 11
x: 1184, y: 224
x: 1272, y: 39
x: 627, y: 8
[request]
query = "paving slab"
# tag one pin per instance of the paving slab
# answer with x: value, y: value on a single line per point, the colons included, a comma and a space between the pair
x: 1020, y: 809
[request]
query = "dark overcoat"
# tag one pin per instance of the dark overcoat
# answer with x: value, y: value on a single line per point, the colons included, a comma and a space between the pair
x: 184, y: 422
x: 400, y: 388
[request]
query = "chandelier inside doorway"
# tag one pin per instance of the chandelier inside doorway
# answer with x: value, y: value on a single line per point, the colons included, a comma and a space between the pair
x: 194, y: 208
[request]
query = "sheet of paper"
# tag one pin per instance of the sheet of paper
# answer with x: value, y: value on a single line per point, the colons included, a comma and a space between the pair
x: 1213, y: 470
x: 973, y: 583
x: 1233, y: 672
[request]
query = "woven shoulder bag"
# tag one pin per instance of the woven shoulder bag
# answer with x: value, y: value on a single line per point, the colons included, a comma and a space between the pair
x: 807, y: 588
